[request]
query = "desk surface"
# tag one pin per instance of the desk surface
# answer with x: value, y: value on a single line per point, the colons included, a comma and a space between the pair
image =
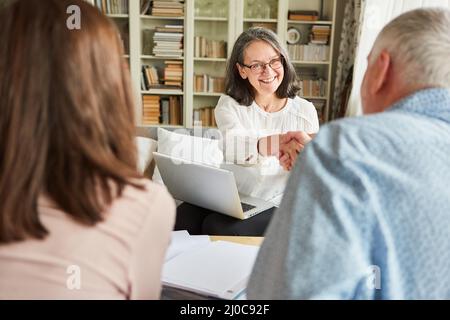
x: 254, y: 241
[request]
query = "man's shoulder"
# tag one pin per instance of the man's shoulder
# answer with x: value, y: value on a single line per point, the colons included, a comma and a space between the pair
x: 350, y: 137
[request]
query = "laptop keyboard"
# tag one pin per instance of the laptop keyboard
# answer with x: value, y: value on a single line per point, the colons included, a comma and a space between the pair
x: 246, y: 207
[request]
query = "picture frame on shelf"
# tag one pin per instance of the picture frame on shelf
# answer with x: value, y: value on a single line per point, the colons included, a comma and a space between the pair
x: 293, y: 36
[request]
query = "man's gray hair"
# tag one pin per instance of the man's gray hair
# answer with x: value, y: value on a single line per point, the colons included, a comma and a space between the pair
x: 419, y: 42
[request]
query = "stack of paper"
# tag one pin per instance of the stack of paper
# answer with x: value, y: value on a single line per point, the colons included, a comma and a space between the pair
x: 217, y: 269
x: 182, y: 241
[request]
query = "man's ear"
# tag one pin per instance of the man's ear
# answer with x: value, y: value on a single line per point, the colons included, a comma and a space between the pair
x: 241, y: 71
x: 381, y: 69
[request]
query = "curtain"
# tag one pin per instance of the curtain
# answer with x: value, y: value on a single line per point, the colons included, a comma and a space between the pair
x: 346, y: 58
x: 375, y: 15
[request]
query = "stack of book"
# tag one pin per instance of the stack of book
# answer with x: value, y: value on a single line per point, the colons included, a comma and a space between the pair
x: 309, y: 52
x: 207, y: 83
x: 112, y: 6
x: 149, y: 78
x: 165, y: 110
x: 150, y: 109
x: 312, y: 84
x: 205, y: 117
x: 320, y: 34
x: 205, y: 48
x: 175, y: 111
x: 303, y: 15
x: 167, y: 8
x: 168, y: 41
x: 313, y: 88
x: 173, y: 74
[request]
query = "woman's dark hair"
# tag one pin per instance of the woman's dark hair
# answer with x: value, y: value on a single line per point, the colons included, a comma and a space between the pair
x: 67, y: 115
x: 240, y: 89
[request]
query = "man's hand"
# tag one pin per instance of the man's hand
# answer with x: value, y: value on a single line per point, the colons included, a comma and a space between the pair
x: 288, y: 154
x: 291, y: 144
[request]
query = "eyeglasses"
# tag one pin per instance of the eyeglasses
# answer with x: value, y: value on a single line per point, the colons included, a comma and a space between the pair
x: 257, y: 68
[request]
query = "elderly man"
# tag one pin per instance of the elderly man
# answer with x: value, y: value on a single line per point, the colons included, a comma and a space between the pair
x: 366, y: 213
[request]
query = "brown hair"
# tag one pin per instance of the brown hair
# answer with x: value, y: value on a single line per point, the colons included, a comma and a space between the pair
x: 66, y: 124
x: 240, y: 89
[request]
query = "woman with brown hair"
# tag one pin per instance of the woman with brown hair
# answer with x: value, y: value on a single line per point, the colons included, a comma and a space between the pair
x: 76, y: 219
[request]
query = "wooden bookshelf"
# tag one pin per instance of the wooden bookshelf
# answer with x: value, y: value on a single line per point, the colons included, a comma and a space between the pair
x: 326, y: 17
x: 224, y: 21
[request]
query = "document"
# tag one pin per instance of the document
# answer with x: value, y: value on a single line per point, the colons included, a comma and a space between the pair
x: 182, y: 241
x: 219, y: 269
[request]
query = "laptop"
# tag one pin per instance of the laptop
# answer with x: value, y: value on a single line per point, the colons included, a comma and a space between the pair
x: 206, y: 186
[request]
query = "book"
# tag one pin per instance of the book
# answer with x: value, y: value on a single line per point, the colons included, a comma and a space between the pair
x: 304, y: 15
x: 217, y: 269
x: 301, y: 17
x: 304, y: 12
x: 145, y: 6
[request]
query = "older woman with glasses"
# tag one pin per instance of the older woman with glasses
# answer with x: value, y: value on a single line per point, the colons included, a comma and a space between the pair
x: 261, y: 118
x: 264, y: 124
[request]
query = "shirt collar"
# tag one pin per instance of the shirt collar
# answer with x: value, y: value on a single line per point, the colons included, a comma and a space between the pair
x: 272, y: 114
x: 433, y: 102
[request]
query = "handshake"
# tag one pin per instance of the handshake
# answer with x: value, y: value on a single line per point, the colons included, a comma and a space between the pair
x: 285, y: 147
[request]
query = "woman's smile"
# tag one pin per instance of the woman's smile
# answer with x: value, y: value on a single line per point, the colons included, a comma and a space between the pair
x: 269, y: 80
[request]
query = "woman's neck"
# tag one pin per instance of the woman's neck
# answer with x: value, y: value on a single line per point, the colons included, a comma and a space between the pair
x: 270, y: 103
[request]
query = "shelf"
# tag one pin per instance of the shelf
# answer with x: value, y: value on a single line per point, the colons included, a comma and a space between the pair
x: 211, y: 19
x: 118, y: 16
x: 150, y: 57
x: 211, y: 59
x: 310, y: 62
x: 160, y: 18
x: 310, y: 22
x: 208, y: 94
x: 169, y: 92
x: 260, y: 20
x: 215, y: 27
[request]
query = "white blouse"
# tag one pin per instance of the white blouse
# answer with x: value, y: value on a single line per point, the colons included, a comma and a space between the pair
x: 242, y: 126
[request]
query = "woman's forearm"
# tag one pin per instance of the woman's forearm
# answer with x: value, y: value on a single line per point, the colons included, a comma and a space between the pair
x: 269, y: 146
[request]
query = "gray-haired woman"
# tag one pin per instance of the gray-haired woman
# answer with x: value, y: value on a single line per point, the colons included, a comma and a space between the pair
x: 262, y: 119
x: 264, y: 124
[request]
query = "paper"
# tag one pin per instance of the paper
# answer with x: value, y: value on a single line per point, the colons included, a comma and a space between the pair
x: 181, y: 241
x: 219, y: 269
